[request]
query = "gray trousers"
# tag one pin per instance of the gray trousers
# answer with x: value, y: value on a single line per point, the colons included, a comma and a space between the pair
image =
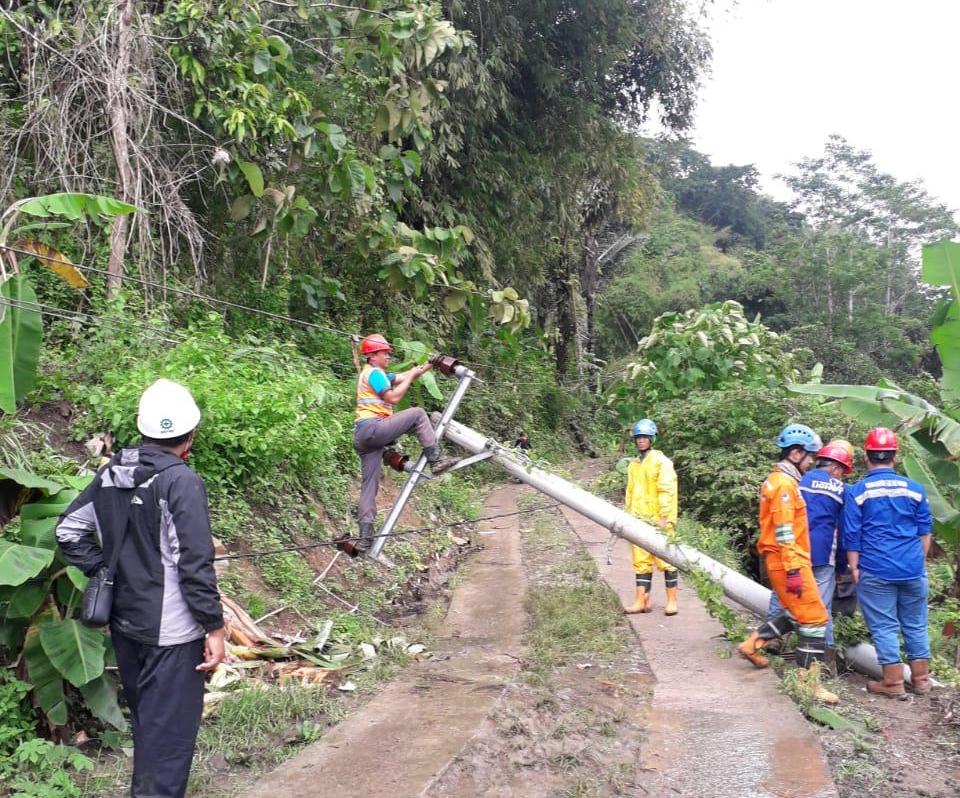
x: 371, y: 438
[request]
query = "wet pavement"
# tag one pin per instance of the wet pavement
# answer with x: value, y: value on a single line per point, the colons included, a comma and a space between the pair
x: 718, y: 727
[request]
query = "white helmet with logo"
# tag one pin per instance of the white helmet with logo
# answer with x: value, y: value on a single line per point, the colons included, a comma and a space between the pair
x: 167, y: 410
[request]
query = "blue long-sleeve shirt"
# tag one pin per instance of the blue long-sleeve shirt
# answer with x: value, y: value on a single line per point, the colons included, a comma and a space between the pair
x: 884, y: 517
x: 824, y: 498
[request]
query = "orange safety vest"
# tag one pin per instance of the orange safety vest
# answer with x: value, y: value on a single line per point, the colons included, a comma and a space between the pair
x: 784, y: 533
x: 369, y: 403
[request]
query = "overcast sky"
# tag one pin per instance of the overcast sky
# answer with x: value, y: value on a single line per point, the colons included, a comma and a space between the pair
x: 882, y: 73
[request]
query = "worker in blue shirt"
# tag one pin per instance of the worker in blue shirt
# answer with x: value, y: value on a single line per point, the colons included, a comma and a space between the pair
x: 822, y: 491
x: 886, y: 532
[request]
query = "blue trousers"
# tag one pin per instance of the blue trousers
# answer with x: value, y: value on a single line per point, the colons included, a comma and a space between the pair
x: 826, y: 576
x: 892, y: 608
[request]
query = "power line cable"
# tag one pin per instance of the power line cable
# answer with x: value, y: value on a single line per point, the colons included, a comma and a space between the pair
x: 52, y: 311
x: 186, y: 292
x: 87, y: 318
x: 399, y: 533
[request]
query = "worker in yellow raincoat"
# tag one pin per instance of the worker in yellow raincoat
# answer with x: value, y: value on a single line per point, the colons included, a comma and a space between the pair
x: 652, y: 497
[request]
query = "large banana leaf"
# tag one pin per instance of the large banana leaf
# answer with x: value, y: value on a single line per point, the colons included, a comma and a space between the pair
x: 21, y: 333
x: 28, y: 479
x: 75, y: 650
x: 945, y: 514
x: 941, y: 266
x: 23, y: 601
x: 101, y: 698
x: 75, y: 206
x: 46, y: 680
x: 18, y: 563
x: 39, y: 519
x: 946, y: 337
x: 892, y: 407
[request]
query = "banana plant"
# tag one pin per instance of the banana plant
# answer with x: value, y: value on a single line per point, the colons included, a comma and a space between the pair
x: 931, y: 433
x: 39, y: 592
x: 63, y: 660
x: 21, y: 326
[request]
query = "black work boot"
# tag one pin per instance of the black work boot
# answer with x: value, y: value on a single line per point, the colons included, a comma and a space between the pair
x: 438, y: 463
x: 366, y: 538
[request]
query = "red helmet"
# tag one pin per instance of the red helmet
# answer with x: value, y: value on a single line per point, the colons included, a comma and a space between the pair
x: 374, y: 343
x: 881, y: 439
x: 836, y: 451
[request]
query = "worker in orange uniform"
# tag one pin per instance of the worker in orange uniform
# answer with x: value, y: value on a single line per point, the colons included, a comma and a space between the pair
x: 652, y: 497
x: 376, y: 426
x: 785, y: 546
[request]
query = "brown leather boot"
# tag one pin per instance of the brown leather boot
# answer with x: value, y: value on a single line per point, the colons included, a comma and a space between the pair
x: 920, y: 676
x: 752, y: 649
x: 892, y: 684
x: 671, y: 605
x: 643, y: 603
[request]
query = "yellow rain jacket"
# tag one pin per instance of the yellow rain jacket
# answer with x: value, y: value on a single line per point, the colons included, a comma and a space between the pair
x: 651, y: 496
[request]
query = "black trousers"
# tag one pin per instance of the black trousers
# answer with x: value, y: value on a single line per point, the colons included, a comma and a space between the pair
x: 165, y: 694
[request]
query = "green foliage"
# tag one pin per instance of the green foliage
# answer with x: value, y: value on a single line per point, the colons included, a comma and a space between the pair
x: 294, y: 433
x: 711, y: 349
x: 721, y: 443
x: 74, y: 207
x: 21, y: 326
x: 21, y: 332
x: 725, y: 197
x: 16, y: 718
x: 674, y: 267
x: 712, y: 541
x: 711, y: 594
x: 944, y: 639
x: 932, y: 434
x: 39, y: 596
x: 40, y: 769
x: 30, y: 766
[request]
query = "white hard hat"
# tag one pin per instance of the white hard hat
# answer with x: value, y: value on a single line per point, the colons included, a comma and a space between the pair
x: 167, y: 410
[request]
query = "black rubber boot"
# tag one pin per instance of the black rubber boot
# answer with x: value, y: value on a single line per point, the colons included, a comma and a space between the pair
x: 366, y: 538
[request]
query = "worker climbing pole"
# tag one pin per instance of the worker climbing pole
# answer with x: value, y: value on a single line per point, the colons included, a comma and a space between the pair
x: 376, y: 427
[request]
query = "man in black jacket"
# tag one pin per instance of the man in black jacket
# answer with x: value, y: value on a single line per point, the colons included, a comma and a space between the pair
x: 166, y: 620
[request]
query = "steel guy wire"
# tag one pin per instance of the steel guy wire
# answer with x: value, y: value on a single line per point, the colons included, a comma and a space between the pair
x: 173, y: 337
x: 84, y: 317
x: 227, y: 303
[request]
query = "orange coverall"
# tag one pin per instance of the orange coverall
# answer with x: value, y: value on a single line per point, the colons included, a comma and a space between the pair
x: 785, y: 546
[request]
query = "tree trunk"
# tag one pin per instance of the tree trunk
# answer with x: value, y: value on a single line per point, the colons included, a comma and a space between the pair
x: 589, y: 281
x: 120, y: 140
x: 566, y: 328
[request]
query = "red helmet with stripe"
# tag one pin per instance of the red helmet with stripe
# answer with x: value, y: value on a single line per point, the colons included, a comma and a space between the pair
x: 374, y: 343
x: 836, y: 451
x: 881, y: 439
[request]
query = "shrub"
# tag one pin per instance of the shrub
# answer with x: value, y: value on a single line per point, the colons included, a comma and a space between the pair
x: 701, y: 350
x: 721, y: 443
x: 267, y: 416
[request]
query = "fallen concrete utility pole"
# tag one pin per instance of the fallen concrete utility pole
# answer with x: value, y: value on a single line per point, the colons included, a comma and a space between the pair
x: 736, y: 586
